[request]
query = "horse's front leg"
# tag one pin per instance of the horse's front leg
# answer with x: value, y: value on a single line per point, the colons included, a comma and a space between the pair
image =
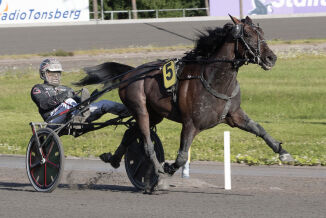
x: 188, y: 133
x: 241, y: 120
x: 149, y: 147
x: 142, y: 119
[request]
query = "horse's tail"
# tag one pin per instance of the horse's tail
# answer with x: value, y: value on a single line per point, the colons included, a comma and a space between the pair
x: 107, y: 73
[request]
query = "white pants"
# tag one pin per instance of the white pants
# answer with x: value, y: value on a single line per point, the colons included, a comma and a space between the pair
x: 97, y: 109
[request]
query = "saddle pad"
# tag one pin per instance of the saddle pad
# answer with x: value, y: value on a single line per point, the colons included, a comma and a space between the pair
x: 169, y: 75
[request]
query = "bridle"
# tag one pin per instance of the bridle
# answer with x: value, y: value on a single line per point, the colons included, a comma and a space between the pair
x: 255, y: 55
x: 251, y: 55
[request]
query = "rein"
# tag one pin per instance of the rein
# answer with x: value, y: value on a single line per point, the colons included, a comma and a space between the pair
x: 98, y: 94
x: 236, y: 62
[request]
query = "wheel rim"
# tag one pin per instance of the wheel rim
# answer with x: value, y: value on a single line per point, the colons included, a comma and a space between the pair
x: 44, y: 174
x: 137, y: 163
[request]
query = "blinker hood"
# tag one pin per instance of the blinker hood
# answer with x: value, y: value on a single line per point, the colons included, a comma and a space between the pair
x: 237, y: 31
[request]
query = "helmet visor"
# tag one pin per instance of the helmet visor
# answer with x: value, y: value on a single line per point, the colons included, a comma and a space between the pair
x: 54, y: 65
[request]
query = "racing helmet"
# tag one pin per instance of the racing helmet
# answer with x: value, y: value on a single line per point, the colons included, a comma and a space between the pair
x: 49, y: 65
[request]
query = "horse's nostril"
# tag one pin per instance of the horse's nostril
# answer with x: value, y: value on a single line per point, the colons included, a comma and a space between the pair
x: 271, y: 58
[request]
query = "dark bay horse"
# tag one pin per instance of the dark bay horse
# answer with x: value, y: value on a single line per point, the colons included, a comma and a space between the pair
x: 207, y: 92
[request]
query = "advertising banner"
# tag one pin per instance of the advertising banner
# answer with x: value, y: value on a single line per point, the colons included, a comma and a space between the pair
x: 43, y: 11
x: 261, y: 7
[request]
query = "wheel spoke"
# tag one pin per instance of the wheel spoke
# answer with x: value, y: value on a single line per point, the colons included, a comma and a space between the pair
x: 53, y: 164
x: 51, y: 147
x: 46, y: 140
x: 37, y: 175
x: 45, y: 175
x: 36, y: 164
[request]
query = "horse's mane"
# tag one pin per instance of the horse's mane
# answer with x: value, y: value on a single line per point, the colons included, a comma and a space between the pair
x: 209, y: 41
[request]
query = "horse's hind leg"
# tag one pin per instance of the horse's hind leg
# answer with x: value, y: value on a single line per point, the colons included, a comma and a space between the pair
x: 241, y: 120
x: 115, y: 159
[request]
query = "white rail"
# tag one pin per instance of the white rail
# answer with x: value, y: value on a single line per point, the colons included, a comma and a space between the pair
x: 156, y: 11
x: 227, y: 161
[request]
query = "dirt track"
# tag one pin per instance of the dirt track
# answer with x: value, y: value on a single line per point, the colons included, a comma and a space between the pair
x: 91, y: 188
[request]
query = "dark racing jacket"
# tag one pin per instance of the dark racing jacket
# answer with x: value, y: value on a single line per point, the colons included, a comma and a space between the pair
x: 47, y: 97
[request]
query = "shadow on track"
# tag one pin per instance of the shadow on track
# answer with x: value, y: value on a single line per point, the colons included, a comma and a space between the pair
x: 11, y: 186
x: 26, y: 187
x: 212, y: 193
x: 113, y: 188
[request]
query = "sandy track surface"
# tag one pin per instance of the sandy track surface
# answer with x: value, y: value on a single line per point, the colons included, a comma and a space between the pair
x: 90, y: 188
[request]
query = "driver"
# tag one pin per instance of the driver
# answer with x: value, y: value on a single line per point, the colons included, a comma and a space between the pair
x: 52, y: 98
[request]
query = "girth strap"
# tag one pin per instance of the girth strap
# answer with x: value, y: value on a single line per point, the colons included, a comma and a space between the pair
x: 228, y: 99
x: 229, y: 102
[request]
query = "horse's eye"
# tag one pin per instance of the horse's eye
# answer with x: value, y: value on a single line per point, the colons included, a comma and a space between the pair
x: 245, y: 33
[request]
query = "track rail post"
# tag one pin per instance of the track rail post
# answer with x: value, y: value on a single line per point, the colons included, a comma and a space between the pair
x: 227, y: 160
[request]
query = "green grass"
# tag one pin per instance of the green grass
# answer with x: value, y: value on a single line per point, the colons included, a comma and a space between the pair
x: 289, y: 102
x: 64, y: 53
x: 298, y: 41
x: 58, y: 52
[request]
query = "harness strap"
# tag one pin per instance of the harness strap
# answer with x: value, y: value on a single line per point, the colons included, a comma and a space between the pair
x: 228, y: 99
x: 236, y: 62
x: 229, y: 102
x: 213, y: 92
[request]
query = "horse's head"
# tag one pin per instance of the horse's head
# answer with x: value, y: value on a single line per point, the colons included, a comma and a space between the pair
x: 252, y: 44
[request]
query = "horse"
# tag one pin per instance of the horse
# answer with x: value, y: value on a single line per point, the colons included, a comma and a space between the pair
x: 206, y: 92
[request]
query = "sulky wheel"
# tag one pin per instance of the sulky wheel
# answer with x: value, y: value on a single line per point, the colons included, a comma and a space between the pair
x: 45, y: 166
x: 137, y: 163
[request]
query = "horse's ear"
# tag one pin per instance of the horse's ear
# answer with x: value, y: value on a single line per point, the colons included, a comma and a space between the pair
x: 248, y: 20
x: 235, y: 20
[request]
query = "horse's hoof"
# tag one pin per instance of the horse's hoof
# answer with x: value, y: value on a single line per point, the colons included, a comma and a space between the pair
x: 109, y: 158
x: 147, y: 191
x: 162, y: 185
x: 151, y: 191
x: 105, y: 157
x: 169, y: 169
x: 286, y: 158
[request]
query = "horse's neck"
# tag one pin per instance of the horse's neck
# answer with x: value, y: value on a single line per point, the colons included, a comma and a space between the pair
x: 221, y: 75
